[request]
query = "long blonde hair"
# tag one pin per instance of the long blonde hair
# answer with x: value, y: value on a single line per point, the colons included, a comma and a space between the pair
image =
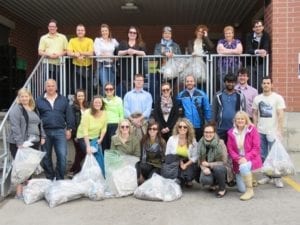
x: 190, y: 135
x: 118, y: 131
x: 31, y: 100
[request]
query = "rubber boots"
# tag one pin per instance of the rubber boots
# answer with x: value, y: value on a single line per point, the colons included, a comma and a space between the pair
x: 249, y: 188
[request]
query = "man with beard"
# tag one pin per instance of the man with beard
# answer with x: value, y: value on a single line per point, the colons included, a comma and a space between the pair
x: 225, y: 105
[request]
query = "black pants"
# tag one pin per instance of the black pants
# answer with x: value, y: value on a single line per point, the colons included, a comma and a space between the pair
x: 217, y: 177
x: 146, y: 170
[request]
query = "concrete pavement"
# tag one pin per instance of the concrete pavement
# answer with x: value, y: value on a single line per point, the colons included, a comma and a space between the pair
x: 270, y: 206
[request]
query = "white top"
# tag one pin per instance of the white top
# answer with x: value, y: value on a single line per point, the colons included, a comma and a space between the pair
x: 102, y: 47
x: 267, y: 107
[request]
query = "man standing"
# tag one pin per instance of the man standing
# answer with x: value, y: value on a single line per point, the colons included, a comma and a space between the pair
x: 225, y: 105
x: 268, y: 115
x: 138, y: 104
x: 81, y: 48
x: 52, y: 46
x: 195, y: 105
x: 248, y: 91
x: 258, y: 43
x: 58, y: 122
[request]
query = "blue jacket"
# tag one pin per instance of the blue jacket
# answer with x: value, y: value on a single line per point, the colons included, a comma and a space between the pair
x: 196, y: 108
x: 60, y: 116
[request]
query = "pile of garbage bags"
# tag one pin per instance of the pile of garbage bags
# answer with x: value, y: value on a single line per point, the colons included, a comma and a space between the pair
x: 120, y: 181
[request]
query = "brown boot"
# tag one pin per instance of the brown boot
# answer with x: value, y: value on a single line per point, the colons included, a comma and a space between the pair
x: 254, y: 181
x: 249, y: 188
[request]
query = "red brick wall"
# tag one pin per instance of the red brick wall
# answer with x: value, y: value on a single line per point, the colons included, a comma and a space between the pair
x: 24, y: 38
x: 283, y: 20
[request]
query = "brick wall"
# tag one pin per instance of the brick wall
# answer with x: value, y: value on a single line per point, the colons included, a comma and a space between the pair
x: 283, y: 20
x: 24, y: 38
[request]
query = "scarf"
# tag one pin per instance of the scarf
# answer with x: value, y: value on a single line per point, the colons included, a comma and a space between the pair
x: 149, y: 147
x: 166, y: 105
x: 210, y: 151
x: 167, y: 44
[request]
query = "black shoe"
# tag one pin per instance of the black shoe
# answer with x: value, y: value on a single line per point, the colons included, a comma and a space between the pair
x: 219, y: 195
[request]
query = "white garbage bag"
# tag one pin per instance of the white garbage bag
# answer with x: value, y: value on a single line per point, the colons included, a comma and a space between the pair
x: 90, y: 170
x: 158, y: 188
x: 35, y: 190
x: 25, y: 163
x: 62, y: 191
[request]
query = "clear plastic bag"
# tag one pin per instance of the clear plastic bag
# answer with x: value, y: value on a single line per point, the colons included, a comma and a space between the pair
x: 121, y: 176
x: 278, y: 162
x: 97, y: 192
x: 25, y: 163
x: 35, y: 190
x: 158, y: 188
x: 90, y: 170
x: 67, y: 190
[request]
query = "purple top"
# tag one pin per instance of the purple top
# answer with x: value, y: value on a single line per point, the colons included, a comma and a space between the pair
x: 229, y: 61
x: 249, y: 93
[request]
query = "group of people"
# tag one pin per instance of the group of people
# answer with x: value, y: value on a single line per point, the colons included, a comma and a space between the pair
x: 206, y: 143
x: 53, y: 45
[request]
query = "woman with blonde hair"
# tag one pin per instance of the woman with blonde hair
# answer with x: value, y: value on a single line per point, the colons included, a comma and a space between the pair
x: 183, y: 145
x: 105, y: 46
x: 124, y: 140
x: 243, y: 146
x: 25, y: 125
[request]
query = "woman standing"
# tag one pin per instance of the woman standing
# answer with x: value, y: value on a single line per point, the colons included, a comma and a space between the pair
x: 152, y: 152
x: 244, y: 149
x: 93, y: 128
x: 124, y: 141
x: 79, y: 106
x: 213, y: 161
x: 166, y: 111
x: 25, y: 125
x: 105, y: 46
x: 228, y: 46
x: 201, y: 44
x: 115, y: 113
x: 183, y: 144
x: 133, y: 46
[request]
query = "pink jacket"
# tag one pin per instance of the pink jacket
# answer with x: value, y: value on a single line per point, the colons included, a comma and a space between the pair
x: 251, y: 146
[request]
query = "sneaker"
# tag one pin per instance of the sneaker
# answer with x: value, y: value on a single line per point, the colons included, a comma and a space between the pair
x: 264, y: 180
x: 278, y: 183
x: 19, y: 197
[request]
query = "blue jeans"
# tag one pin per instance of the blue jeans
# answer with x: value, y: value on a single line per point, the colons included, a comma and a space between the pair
x: 265, y: 146
x: 245, y: 169
x: 106, y: 73
x: 55, y: 138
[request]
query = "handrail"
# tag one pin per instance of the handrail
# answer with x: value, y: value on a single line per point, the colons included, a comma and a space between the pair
x: 5, y: 156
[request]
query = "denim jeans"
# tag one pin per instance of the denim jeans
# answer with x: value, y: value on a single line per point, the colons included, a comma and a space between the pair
x: 106, y: 73
x: 265, y: 146
x: 245, y: 169
x: 55, y: 138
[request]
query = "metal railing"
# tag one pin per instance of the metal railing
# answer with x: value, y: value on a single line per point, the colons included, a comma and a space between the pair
x: 208, y: 70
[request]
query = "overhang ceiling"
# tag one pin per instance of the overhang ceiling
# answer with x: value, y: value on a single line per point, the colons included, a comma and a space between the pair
x: 150, y: 12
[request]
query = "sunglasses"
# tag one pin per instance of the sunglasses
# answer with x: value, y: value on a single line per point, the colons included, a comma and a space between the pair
x: 165, y: 90
x: 182, y: 127
x: 209, y: 132
x: 153, y: 128
x: 126, y: 126
x: 132, y: 32
x: 109, y: 89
